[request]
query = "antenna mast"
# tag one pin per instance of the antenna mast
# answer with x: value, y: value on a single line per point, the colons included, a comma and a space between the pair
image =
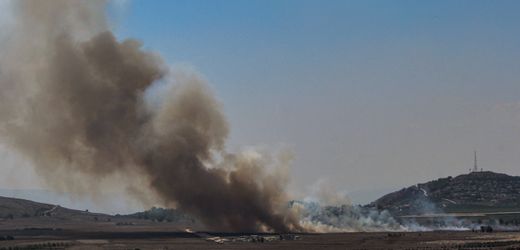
x: 475, y: 168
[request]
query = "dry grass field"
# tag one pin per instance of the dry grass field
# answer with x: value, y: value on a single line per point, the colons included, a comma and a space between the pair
x: 59, y: 233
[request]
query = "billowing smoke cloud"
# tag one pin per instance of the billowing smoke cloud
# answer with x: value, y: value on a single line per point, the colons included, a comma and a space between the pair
x: 79, y: 104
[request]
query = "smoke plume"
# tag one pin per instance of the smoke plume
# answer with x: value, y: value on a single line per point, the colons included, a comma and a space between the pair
x: 76, y: 101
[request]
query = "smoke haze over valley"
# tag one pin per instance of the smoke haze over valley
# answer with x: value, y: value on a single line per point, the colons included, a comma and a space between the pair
x: 260, y: 116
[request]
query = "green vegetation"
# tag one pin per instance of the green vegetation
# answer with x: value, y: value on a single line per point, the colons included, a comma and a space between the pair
x: 163, y: 215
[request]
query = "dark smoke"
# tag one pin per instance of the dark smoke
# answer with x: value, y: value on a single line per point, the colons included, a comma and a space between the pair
x: 73, y: 101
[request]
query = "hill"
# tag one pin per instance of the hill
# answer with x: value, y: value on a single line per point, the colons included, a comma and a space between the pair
x: 477, y: 191
x: 11, y: 208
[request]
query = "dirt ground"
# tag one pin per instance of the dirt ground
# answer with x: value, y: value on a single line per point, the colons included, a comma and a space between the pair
x: 51, y: 234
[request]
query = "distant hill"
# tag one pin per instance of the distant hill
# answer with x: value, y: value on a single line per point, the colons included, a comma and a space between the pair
x: 110, y: 202
x: 477, y: 191
x: 11, y: 208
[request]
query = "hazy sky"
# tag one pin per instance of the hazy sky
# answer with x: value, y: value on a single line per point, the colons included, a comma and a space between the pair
x: 367, y: 94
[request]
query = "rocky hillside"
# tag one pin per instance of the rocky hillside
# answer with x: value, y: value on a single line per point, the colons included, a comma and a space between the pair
x: 476, y: 191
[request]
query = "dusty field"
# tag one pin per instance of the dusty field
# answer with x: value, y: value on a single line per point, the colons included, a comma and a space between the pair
x: 50, y: 233
x: 172, y: 240
x: 123, y: 233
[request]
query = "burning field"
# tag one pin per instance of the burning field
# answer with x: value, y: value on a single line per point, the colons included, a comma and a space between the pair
x: 88, y: 109
x: 93, y: 112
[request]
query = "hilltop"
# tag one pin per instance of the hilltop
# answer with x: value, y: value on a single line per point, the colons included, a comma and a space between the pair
x: 476, y: 191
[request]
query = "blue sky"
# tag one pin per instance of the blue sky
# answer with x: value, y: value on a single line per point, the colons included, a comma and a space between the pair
x: 368, y: 94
